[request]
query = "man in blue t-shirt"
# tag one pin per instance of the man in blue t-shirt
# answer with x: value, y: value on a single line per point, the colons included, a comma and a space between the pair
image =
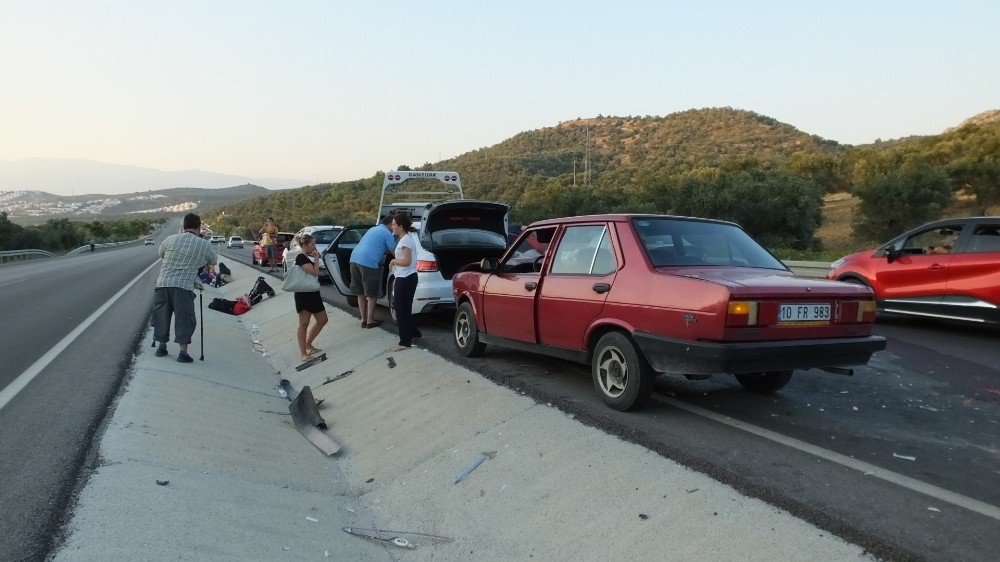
x: 366, y: 268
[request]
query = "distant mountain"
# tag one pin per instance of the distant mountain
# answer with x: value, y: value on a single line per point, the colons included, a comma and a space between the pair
x: 25, y: 203
x: 68, y: 176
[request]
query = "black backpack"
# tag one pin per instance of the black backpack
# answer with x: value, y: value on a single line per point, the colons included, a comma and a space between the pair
x: 222, y: 305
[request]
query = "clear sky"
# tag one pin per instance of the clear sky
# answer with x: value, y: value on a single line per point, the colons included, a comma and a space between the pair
x: 328, y: 90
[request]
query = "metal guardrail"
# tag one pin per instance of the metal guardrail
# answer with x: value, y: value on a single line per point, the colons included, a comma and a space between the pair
x: 17, y: 256
x: 84, y: 249
x: 11, y: 256
x: 814, y: 269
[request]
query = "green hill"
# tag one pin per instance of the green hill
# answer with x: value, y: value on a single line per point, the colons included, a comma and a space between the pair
x: 630, y: 163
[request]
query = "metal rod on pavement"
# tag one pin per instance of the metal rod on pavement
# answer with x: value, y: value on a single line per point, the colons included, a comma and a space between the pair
x: 201, y: 321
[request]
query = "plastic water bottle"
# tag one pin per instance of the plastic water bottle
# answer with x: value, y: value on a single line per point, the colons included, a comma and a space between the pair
x: 255, y: 334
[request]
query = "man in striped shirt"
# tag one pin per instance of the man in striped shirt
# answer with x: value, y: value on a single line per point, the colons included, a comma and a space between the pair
x: 183, y: 254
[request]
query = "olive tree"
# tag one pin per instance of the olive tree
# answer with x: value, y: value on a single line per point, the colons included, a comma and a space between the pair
x: 895, y: 202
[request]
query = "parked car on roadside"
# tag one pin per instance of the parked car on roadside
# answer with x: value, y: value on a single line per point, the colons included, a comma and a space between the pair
x: 452, y: 232
x: 948, y: 269
x: 450, y: 235
x: 260, y: 254
x: 324, y: 236
x: 637, y: 295
x: 235, y: 242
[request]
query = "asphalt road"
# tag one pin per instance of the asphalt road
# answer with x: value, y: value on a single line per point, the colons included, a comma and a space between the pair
x: 902, y: 458
x: 46, y: 428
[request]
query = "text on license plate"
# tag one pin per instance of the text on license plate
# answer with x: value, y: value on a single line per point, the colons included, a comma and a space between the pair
x: 818, y: 313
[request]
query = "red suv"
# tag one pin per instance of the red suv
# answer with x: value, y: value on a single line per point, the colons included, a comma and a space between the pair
x: 949, y: 269
x: 636, y: 295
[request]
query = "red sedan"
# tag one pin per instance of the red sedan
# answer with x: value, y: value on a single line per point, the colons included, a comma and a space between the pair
x: 636, y: 295
x: 949, y: 269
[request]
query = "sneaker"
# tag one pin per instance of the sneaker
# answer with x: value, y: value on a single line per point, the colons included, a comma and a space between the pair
x: 399, y: 347
x: 416, y: 338
x: 161, y: 351
x: 183, y: 357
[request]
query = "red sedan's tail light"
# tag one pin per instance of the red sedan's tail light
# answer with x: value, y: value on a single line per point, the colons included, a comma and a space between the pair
x: 427, y: 265
x: 751, y: 313
x: 742, y: 313
x: 866, y: 312
x: 854, y: 312
x: 847, y: 312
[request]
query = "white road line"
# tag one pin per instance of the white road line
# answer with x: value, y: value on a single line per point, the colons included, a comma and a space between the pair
x: 22, y: 380
x: 867, y: 469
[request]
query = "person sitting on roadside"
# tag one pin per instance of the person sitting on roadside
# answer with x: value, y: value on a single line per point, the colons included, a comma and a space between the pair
x: 366, y: 268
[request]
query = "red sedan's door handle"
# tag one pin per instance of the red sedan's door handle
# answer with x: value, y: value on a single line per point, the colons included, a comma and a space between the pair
x: 531, y: 285
x: 600, y: 288
x: 936, y: 266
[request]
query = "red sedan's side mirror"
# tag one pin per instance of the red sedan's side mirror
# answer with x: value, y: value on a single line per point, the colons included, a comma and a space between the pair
x: 891, y: 254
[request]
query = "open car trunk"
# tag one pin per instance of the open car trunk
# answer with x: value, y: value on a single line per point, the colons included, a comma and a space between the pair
x: 461, y: 232
x: 451, y: 260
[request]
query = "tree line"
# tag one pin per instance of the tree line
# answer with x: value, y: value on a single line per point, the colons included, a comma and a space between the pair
x: 62, y: 235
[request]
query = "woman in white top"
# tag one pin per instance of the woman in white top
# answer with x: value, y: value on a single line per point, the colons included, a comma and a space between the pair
x: 404, y: 269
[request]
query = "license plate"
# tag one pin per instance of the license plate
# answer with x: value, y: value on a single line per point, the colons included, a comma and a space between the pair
x: 804, y: 313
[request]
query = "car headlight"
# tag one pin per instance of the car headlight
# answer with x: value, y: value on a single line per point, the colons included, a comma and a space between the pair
x: 838, y: 263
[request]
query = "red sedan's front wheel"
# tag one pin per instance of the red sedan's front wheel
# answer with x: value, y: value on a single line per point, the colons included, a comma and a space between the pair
x: 466, y: 333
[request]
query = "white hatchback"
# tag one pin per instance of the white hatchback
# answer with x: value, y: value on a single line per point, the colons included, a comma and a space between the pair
x: 451, y: 234
x: 235, y: 242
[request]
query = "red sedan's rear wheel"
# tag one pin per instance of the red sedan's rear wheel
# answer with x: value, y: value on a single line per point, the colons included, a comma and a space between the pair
x: 622, y: 377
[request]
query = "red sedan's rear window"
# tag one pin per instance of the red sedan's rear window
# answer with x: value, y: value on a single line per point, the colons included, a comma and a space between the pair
x: 671, y: 241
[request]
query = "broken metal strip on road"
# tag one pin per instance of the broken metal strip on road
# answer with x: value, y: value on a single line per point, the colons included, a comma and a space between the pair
x: 310, y: 424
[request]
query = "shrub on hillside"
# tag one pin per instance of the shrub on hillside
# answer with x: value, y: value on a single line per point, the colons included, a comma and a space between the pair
x: 777, y: 208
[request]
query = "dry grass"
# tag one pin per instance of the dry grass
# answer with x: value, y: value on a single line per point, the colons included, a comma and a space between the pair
x: 838, y: 212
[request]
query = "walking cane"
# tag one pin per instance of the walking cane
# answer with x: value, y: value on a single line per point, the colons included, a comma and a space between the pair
x: 201, y: 321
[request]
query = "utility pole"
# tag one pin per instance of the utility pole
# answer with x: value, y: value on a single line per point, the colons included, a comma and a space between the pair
x: 586, y: 160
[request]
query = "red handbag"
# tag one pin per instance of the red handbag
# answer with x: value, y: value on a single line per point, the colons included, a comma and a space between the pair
x: 240, y: 307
